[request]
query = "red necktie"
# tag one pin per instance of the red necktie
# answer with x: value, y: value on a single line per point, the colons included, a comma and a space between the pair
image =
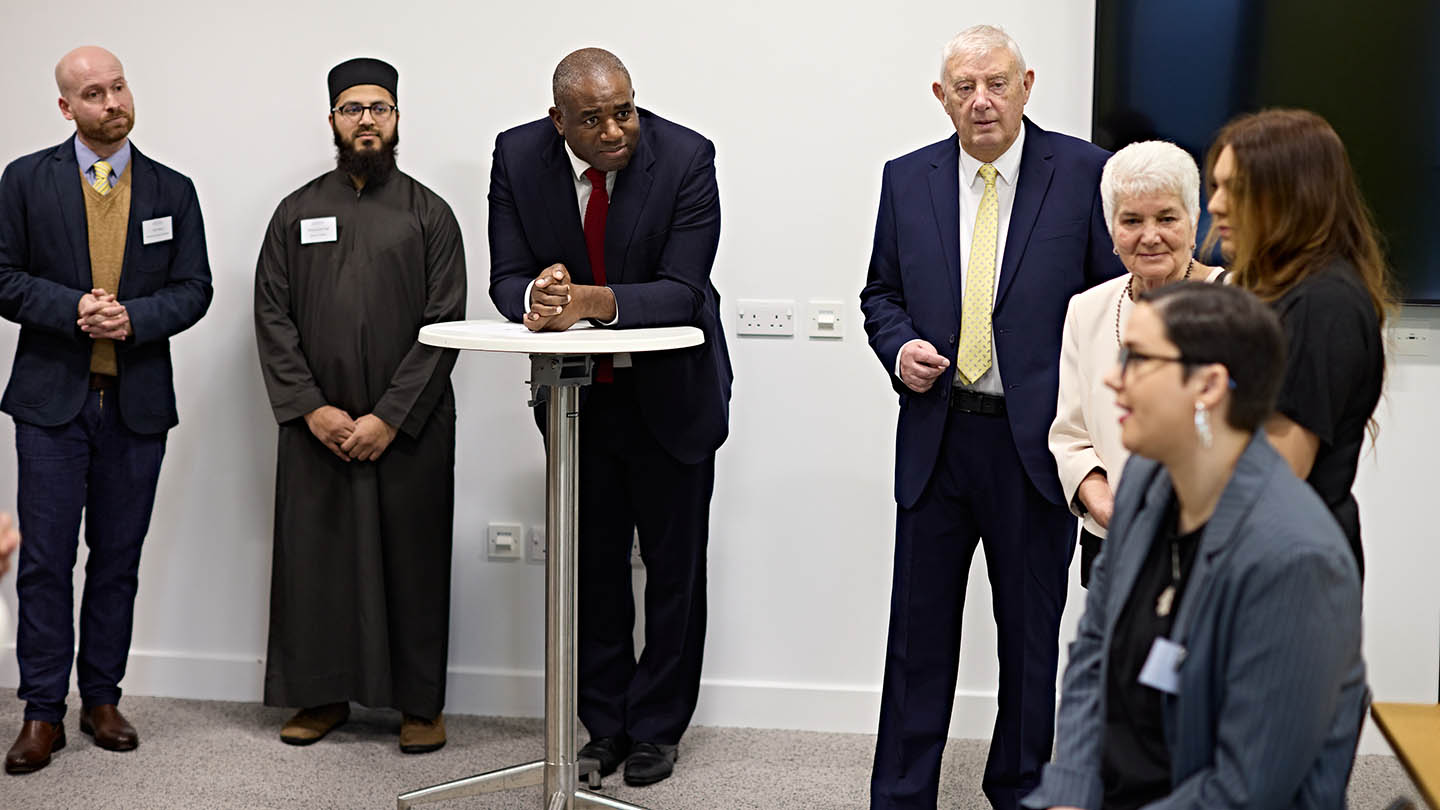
x: 595, y: 212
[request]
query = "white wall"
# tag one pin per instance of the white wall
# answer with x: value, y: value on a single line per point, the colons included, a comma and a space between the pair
x: 804, y: 101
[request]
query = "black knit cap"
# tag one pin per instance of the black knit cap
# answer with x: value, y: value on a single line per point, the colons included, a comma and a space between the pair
x: 363, y: 70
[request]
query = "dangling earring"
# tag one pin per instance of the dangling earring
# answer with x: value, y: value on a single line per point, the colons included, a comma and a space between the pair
x: 1202, y: 426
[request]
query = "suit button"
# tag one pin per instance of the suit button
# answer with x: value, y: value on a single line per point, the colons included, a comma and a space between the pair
x: 952, y: 340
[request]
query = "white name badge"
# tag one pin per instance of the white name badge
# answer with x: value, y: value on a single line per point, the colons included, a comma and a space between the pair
x: 1162, y: 666
x: 156, y: 230
x: 319, y: 229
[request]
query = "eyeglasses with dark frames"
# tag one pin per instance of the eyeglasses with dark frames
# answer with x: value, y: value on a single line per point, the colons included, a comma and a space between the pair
x: 354, y: 110
x: 1128, y: 357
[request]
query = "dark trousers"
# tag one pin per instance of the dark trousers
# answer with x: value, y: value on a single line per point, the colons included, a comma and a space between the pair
x: 628, y: 482
x: 1089, y: 550
x: 978, y: 493
x: 96, y: 466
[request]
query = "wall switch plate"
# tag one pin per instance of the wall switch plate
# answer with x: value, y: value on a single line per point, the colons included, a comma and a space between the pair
x: 635, y: 561
x: 1412, y: 341
x: 535, y: 548
x: 827, y: 320
x: 765, y: 317
x: 503, y: 541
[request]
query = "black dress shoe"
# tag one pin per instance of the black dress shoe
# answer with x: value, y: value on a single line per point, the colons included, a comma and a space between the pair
x: 608, y: 751
x: 649, y: 763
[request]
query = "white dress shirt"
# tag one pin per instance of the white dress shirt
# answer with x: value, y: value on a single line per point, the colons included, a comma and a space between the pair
x: 578, y: 168
x: 972, y: 189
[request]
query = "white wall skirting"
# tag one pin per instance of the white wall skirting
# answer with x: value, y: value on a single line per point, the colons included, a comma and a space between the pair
x: 844, y: 708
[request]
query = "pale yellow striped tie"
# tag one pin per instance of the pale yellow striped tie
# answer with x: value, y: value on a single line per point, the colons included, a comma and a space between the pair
x: 973, y: 356
x: 102, y: 177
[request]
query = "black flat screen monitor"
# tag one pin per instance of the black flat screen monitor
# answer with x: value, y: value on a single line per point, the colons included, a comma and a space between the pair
x: 1179, y: 69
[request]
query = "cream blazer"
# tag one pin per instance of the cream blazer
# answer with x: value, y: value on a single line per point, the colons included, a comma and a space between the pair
x: 1086, y: 430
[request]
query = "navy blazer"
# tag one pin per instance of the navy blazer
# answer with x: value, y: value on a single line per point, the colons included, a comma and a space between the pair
x: 661, y: 233
x: 1272, y: 685
x: 45, y: 270
x: 1057, y: 246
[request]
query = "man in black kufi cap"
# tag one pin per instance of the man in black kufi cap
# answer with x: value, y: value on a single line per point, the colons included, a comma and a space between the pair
x: 353, y: 264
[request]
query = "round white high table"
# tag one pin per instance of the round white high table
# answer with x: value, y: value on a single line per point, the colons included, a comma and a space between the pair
x: 560, y: 362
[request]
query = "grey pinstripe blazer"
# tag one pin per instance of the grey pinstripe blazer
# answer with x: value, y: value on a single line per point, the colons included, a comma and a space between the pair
x: 1272, y: 687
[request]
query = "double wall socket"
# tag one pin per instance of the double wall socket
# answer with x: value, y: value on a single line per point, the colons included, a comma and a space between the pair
x: 503, y: 541
x: 765, y: 317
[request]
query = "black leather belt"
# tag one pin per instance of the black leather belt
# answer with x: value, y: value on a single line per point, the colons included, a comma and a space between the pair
x: 101, y: 382
x: 976, y: 402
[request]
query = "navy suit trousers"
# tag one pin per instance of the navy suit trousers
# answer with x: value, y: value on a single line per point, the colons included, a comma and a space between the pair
x: 979, y: 492
x: 96, y: 466
x: 628, y: 482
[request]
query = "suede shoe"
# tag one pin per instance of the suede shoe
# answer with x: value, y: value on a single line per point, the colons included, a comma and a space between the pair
x: 310, y: 725
x: 649, y: 763
x: 421, y: 736
x: 32, y: 749
x: 608, y: 751
x: 109, y: 727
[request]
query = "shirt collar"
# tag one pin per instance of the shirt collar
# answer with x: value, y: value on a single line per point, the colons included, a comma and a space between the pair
x: 1007, y: 166
x: 577, y: 166
x: 86, y: 157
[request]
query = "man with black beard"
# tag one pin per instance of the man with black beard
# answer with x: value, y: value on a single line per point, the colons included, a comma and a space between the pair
x: 353, y: 264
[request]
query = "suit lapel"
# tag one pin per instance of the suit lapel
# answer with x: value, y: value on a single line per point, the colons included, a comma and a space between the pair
x: 1140, y: 534
x: 632, y: 187
x: 557, y: 186
x: 1256, y: 465
x: 945, y: 199
x: 70, y: 199
x: 144, y: 191
x: 1036, y: 170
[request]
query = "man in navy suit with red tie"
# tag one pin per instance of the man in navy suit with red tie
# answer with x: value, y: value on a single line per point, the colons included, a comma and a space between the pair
x: 608, y: 213
x: 980, y: 241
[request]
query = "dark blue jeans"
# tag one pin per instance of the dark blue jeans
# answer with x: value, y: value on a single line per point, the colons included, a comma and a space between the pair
x: 95, y: 465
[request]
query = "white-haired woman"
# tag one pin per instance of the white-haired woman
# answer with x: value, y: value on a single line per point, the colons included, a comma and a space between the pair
x: 1151, y: 196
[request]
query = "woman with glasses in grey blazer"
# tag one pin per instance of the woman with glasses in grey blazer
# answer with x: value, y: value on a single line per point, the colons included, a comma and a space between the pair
x: 1218, y: 660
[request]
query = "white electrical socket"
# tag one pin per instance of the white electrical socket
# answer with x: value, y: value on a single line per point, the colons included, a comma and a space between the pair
x: 1410, y: 341
x: 503, y: 541
x: 535, y: 548
x: 827, y: 320
x: 772, y: 317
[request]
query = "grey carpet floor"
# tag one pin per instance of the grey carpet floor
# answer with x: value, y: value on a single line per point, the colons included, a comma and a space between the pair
x: 210, y: 755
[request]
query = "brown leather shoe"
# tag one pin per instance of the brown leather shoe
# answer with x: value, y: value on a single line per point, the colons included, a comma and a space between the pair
x: 32, y: 749
x: 421, y: 736
x: 309, y: 725
x: 109, y: 727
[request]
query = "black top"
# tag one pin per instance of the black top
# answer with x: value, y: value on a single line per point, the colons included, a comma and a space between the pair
x: 1134, y: 759
x: 1334, y: 369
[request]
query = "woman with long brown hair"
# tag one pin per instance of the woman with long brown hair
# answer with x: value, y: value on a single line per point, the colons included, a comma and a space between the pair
x: 1290, y: 219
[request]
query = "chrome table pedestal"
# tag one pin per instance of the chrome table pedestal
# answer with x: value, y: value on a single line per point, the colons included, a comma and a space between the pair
x: 560, y: 376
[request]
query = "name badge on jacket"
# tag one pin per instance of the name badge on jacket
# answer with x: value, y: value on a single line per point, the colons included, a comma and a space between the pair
x: 319, y: 229
x: 1162, y: 666
x: 156, y: 230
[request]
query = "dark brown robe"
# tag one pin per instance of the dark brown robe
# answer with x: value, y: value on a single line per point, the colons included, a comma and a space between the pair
x: 360, y: 586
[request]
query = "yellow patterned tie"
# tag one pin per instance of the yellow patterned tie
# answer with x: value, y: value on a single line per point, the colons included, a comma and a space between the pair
x: 973, y: 357
x: 102, y: 177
